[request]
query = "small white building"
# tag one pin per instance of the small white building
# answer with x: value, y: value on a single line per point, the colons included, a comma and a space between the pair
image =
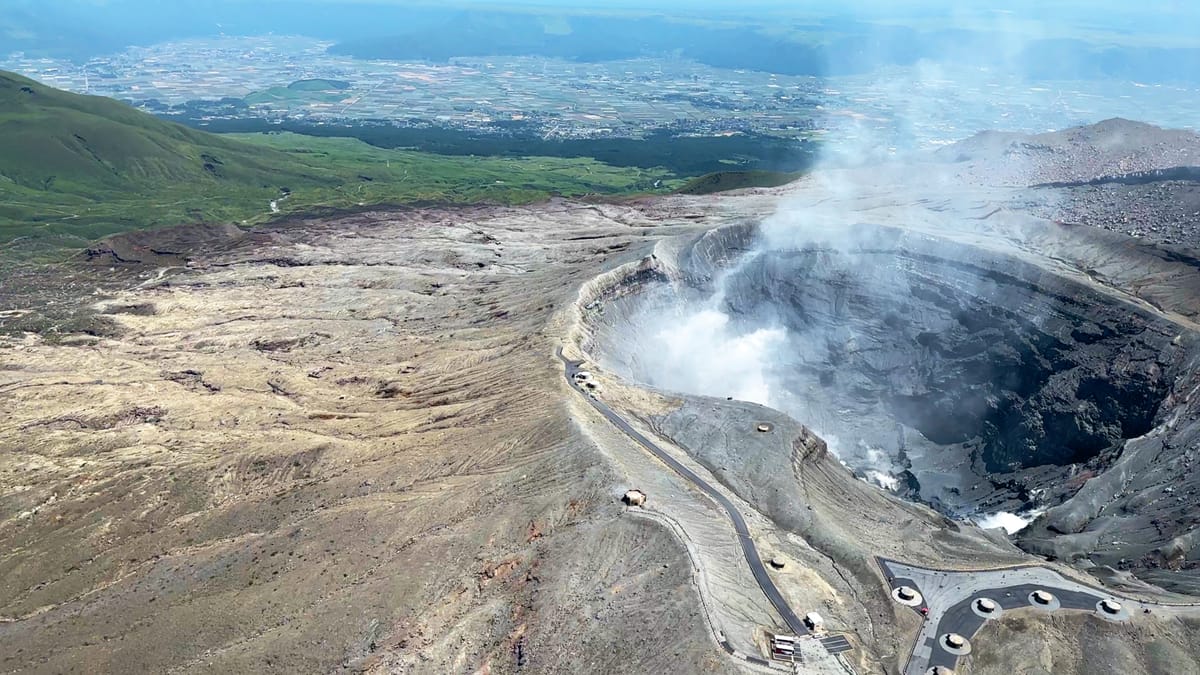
x: 814, y: 621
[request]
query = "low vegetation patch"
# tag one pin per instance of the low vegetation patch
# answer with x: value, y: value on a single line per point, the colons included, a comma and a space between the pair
x: 74, y: 169
x: 723, y: 181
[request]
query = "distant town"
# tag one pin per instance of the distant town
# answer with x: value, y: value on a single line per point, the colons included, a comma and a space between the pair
x: 293, y: 78
x: 570, y: 100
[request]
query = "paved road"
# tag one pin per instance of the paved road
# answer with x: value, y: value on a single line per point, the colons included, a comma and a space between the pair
x: 948, y: 595
x: 794, y: 623
x: 963, y: 620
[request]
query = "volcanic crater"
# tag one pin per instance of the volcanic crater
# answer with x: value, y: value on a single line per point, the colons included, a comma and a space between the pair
x: 966, y: 377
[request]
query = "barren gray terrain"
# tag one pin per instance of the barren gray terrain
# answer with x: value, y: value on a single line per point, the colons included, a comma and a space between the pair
x: 338, y: 445
x: 1081, y: 644
x: 345, y: 444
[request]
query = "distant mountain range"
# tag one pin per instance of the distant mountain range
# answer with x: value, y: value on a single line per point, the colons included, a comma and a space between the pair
x: 830, y: 45
x: 79, y: 30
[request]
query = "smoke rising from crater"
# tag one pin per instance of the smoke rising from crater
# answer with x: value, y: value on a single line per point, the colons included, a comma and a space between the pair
x: 705, y: 352
x: 915, y: 364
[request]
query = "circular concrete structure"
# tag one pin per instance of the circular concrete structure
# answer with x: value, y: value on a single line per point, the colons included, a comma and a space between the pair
x: 939, y: 670
x: 764, y: 427
x: 986, y: 608
x: 907, y: 595
x: 955, y: 644
x: 1112, y: 610
x: 1044, y: 600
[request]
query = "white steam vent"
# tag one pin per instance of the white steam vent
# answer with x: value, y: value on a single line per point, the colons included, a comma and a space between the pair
x: 1012, y: 523
x: 703, y: 353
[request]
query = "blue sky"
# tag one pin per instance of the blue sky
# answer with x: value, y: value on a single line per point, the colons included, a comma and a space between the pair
x: 1133, y: 19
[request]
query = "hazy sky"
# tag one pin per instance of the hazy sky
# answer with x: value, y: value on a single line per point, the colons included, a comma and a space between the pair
x: 1174, y: 23
x: 1095, y: 7
x: 1171, y: 15
x: 1098, y: 9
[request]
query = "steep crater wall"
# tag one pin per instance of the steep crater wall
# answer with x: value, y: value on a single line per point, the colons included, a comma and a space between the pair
x: 1017, y: 368
x: 964, y: 379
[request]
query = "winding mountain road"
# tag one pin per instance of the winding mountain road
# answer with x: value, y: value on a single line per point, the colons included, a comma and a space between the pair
x: 947, y: 595
x: 794, y: 623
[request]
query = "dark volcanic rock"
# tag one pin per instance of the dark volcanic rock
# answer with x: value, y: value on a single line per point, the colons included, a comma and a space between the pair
x: 1025, y: 370
x: 1111, y: 148
x: 162, y: 247
x: 1165, y: 212
x: 1118, y: 175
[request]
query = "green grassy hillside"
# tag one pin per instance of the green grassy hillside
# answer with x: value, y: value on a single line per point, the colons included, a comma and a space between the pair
x: 723, y: 181
x: 57, y: 141
x: 319, y: 85
x: 75, y: 168
x: 325, y: 91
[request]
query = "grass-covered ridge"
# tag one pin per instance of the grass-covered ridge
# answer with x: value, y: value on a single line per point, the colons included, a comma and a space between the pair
x: 722, y: 181
x: 326, y: 91
x: 76, y: 168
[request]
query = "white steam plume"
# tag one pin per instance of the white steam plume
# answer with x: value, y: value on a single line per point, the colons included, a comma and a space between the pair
x: 711, y: 351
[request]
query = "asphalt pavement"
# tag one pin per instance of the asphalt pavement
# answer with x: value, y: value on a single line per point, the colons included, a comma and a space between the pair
x: 948, y: 595
x: 962, y: 620
x: 794, y: 623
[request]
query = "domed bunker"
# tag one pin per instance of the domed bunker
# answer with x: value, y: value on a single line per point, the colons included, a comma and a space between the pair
x: 971, y: 380
x: 1112, y: 610
x: 906, y: 595
x: 955, y: 644
x: 986, y: 608
x: 1044, y: 600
